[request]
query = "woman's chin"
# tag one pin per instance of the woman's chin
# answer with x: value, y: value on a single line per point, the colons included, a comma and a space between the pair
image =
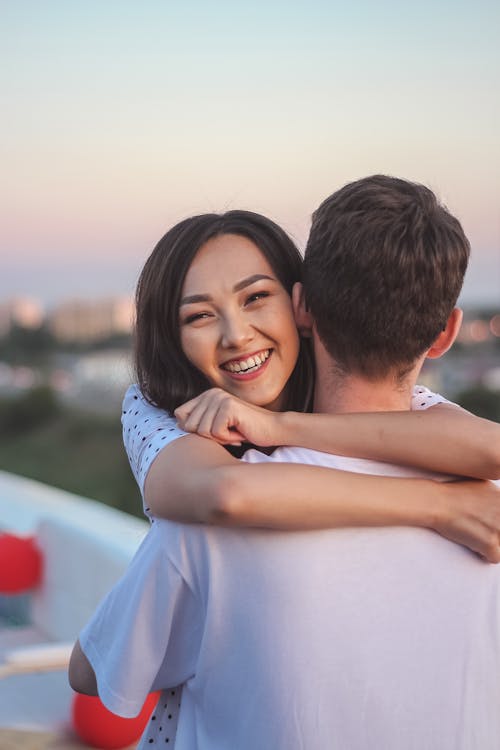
x: 255, y: 394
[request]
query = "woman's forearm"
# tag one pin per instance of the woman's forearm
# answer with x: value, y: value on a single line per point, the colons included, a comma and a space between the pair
x: 196, y: 480
x: 443, y: 438
x: 465, y: 512
x: 295, y: 496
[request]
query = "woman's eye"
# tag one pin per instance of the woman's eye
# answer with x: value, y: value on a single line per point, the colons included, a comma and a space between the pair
x: 196, y: 316
x: 256, y: 296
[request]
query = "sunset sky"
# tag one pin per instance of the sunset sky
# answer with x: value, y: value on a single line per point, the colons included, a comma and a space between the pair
x: 120, y: 118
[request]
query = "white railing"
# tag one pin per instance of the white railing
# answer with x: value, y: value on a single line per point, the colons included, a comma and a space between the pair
x: 85, y: 546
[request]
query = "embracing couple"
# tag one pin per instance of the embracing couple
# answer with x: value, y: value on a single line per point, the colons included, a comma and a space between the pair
x: 312, y: 630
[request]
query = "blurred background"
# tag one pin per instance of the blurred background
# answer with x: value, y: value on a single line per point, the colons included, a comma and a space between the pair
x: 121, y: 118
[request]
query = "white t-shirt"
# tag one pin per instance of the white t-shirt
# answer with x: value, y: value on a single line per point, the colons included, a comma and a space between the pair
x: 147, y: 429
x: 350, y: 638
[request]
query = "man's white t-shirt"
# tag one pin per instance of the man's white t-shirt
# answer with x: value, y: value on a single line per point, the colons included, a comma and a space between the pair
x: 387, y: 639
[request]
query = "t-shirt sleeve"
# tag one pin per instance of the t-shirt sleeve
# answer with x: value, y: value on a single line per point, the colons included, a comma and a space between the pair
x: 145, y: 634
x: 146, y: 430
x: 423, y: 398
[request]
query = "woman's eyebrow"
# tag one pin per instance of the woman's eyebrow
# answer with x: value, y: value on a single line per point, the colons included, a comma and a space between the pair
x: 192, y: 298
x: 195, y: 298
x: 251, y: 280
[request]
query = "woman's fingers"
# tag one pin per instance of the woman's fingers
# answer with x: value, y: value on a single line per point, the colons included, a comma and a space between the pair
x: 223, y: 417
x: 220, y: 418
x: 225, y: 423
x: 196, y: 405
x: 191, y: 421
x: 209, y: 415
x: 182, y: 412
x: 214, y: 423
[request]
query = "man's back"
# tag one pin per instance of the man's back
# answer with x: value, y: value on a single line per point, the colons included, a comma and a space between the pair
x: 382, y: 638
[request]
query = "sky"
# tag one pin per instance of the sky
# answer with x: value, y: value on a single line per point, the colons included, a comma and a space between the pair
x: 121, y: 118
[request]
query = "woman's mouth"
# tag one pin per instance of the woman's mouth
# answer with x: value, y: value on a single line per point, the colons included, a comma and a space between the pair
x: 247, y: 365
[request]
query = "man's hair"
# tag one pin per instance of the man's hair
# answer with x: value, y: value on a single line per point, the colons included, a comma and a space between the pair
x: 384, y: 265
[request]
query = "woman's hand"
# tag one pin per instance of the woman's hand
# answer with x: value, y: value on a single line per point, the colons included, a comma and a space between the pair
x: 470, y: 515
x: 226, y: 419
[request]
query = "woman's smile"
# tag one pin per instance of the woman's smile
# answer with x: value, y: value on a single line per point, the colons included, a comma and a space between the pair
x: 236, y: 321
x: 254, y: 364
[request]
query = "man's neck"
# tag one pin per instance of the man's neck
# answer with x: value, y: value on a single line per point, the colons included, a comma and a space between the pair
x: 341, y: 394
x: 337, y: 392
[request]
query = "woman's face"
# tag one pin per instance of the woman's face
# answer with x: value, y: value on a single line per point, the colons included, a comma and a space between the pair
x: 236, y: 321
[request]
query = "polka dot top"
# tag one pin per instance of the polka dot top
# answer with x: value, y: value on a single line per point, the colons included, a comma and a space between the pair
x: 147, y: 429
x: 423, y: 398
x: 162, y: 726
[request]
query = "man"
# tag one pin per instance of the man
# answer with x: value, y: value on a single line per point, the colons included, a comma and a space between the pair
x: 362, y: 638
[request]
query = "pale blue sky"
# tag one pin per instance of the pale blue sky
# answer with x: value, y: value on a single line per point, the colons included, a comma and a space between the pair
x: 122, y: 117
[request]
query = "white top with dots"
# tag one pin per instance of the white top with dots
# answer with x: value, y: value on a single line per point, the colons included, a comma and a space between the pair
x: 147, y: 429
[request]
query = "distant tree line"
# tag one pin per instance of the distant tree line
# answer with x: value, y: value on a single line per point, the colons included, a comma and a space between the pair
x: 36, y: 346
x: 42, y: 439
x: 481, y: 401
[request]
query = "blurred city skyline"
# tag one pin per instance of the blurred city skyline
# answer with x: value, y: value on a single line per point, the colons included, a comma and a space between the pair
x: 122, y: 118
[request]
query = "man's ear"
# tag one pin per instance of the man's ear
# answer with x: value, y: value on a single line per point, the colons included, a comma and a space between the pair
x: 303, y: 318
x: 447, y: 336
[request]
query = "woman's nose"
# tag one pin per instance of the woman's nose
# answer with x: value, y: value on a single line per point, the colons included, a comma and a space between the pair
x: 236, y: 332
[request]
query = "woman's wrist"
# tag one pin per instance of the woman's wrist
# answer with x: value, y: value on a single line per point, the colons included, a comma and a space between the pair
x: 287, y: 428
x: 440, y: 505
x: 426, y: 504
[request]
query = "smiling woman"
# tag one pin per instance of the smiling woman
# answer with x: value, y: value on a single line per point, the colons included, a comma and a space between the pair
x: 237, y: 325
x: 214, y: 294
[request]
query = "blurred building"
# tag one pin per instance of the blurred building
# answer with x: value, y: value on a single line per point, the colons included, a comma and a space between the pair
x: 91, y: 320
x: 477, y: 328
x: 20, y: 311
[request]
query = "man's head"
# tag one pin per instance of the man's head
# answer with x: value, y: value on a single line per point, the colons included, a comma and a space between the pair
x: 384, y: 266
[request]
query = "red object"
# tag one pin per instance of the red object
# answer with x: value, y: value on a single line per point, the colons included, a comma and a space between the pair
x: 98, y: 727
x: 20, y: 564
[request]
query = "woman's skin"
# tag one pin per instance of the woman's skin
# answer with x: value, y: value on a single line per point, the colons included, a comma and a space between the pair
x: 232, y: 309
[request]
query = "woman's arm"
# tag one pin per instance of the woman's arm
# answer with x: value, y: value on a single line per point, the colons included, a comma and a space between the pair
x: 196, y: 480
x: 442, y: 438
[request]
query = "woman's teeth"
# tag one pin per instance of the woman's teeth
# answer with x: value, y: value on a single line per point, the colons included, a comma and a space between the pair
x: 248, y: 365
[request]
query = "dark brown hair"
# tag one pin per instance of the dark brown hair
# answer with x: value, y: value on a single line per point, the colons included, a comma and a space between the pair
x: 383, y: 268
x: 165, y: 375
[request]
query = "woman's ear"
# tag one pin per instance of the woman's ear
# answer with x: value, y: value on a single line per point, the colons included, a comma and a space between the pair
x: 303, y: 318
x: 447, y: 336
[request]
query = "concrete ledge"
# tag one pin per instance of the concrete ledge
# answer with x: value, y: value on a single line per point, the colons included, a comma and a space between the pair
x: 86, y: 546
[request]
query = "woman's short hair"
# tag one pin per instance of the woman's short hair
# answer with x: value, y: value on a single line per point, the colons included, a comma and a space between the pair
x: 165, y: 375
